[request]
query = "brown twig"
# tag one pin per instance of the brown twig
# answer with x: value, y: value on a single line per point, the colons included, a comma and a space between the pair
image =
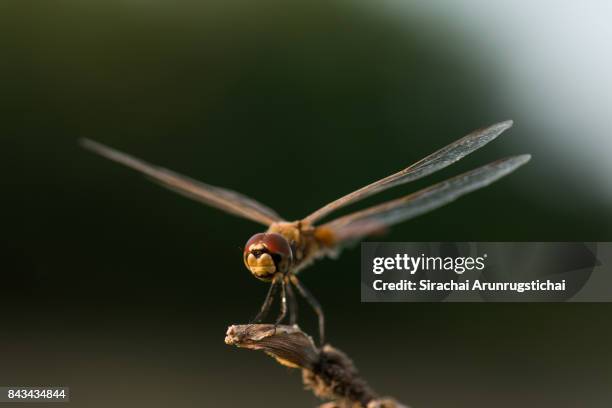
x: 327, y: 371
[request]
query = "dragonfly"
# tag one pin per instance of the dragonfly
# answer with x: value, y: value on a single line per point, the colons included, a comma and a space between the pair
x: 286, y: 247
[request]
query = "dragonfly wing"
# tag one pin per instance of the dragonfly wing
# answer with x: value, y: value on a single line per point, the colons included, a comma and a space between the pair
x: 226, y: 200
x: 430, y: 164
x: 371, y: 220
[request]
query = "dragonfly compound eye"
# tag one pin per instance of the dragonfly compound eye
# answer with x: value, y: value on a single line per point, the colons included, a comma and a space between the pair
x: 267, y: 253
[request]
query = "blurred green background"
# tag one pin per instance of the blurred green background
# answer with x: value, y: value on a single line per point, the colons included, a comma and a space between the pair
x: 122, y: 290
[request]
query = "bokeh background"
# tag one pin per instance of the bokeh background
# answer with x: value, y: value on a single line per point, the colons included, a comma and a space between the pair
x: 122, y: 290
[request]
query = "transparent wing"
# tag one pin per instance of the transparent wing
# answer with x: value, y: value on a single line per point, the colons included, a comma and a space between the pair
x: 432, y: 163
x: 226, y: 200
x: 359, y: 224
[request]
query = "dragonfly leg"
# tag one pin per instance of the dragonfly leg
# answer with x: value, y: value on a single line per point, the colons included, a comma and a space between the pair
x: 267, y: 303
x: 283, y: 313
x: 293, y: 307
x: 314, y: 303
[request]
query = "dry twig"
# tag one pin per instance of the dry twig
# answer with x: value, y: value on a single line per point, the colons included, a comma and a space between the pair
x: 327, y: 371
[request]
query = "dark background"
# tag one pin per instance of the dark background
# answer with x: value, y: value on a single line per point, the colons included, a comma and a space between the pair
x: 122, y: 290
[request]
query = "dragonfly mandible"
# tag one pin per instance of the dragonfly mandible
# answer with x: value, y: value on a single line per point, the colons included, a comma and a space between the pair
x: 287, y: 247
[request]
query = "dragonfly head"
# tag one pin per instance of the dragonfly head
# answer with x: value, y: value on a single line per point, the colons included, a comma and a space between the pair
x: 265, y: 254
